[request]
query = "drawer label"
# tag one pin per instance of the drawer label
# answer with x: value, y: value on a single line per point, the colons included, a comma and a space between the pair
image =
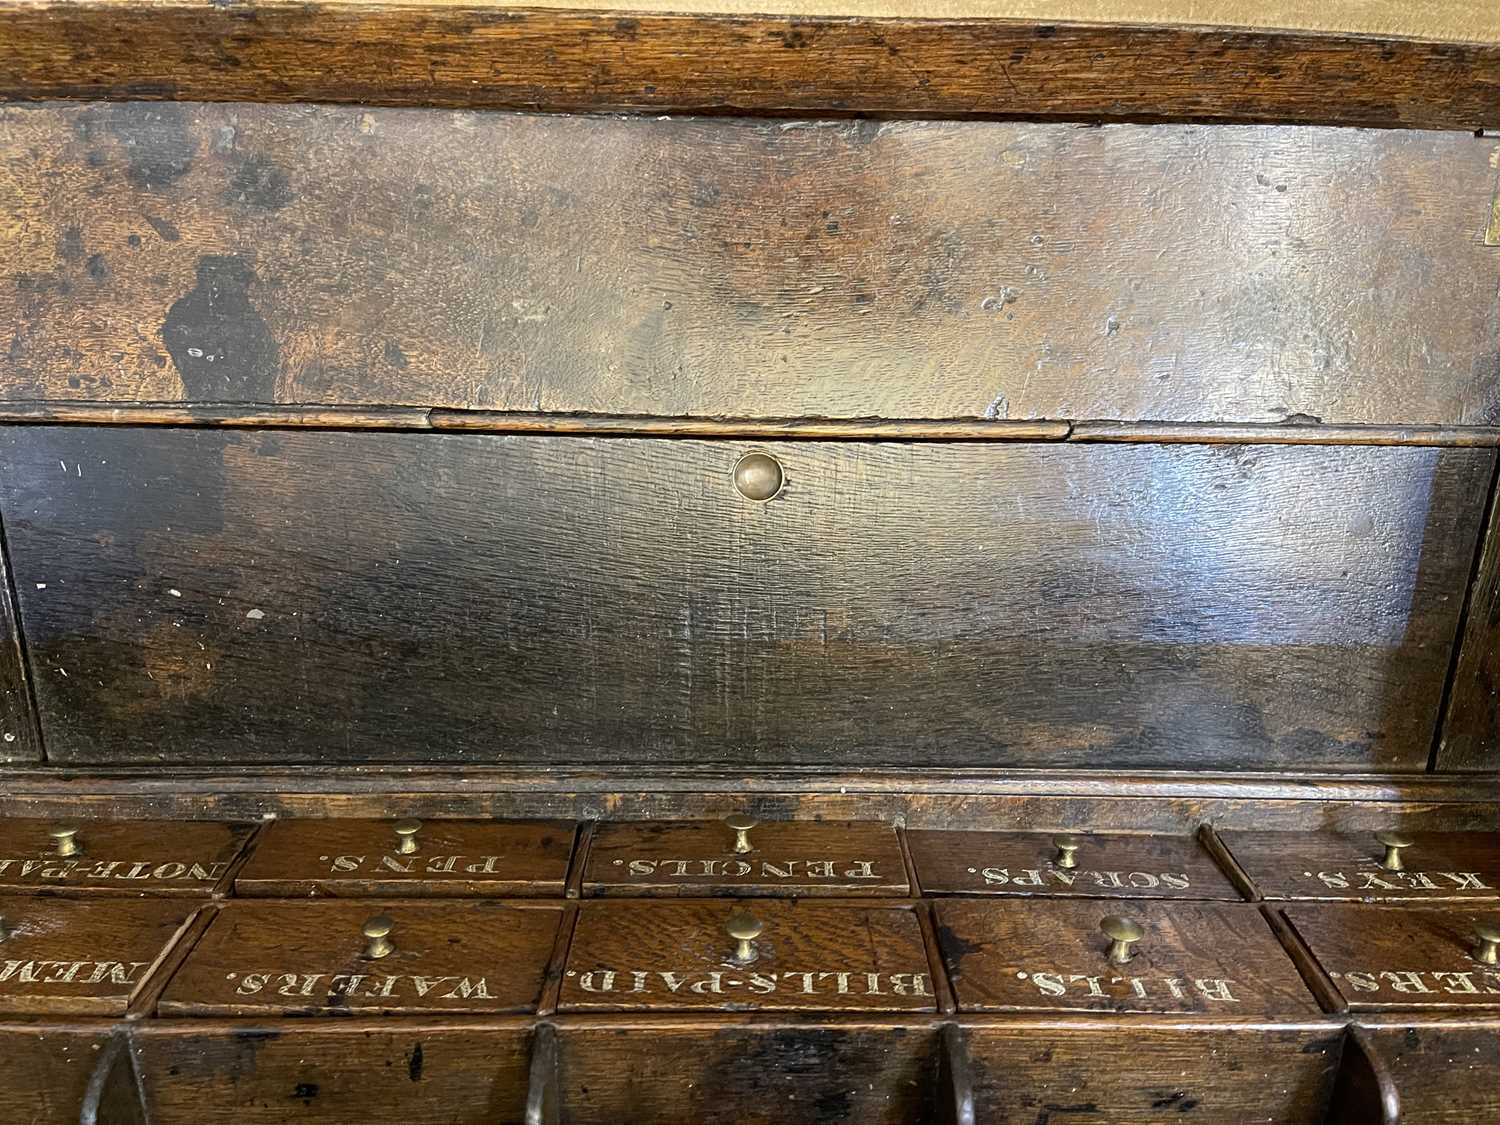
x: 120, y: 869
x: 1456, y: 982
x: 1215, y: 990
x: 1108, y: 880
x: 765, y: 869
x: 360, y: 986
x: 722, y: 983
x: 86, y: 973
x: 1384, y: 880
x: 414, y: 865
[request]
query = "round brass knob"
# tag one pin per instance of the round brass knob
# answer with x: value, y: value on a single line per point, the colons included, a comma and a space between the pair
x: 744, y: 928
x: 741, y: 824
x: 377, y: 932
x: 1122, y: 934
x: 758, y: 476
x: 406, y: 836
x: 1488, y: 950
x: 1067, y: 851
x: 66, y: 836
x: 1393, y: 842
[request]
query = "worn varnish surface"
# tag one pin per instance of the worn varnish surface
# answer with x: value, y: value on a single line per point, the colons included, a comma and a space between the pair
x: 347, y: 857
x: 722, y: 267
x: 442, y: 54
x: 1389, y: 957
x: 1348, y: 866
x: 811, y: 956
x: 61, y: 957
x: 128, y: 857
x: 406, y: 1070
x: 788, y: 857
x: 1108, y: 865
x: 1126, y: 1074
x: 202, y: 596
x: 1443, y: 1071
x: 19, y: 741
x: 1049, y: 955
x: 794, y: 1075
x: 1471, y: 727
x: 47, y: 1070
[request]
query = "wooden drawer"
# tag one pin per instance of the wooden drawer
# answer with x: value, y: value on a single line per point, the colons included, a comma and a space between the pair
x: 82, y: 957
x: 414, y: 1070
x: 738, y: 856
x: 1442, y: 1070
x: 409, y: 857
x: 339, y: 958
x: 1086, y: 865
x: 1372, y: 867
x: 1384, y: 957
x: 798, y: 955
x: 1053, y: 955
x: 896, y: 604
x: 871, y: 1073
x: 132, y: 857
x: 1137, y: 1072
x: 47, y: 1071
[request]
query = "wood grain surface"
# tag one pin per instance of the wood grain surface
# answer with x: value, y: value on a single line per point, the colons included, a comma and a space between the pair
x: 404, y: 1071
x: 353, y: 857
x: 476, y: 54
x: 738, y: 268
x: 835, y: 955
x: 1383, y: 958
x: 47, y: 1071
x: 1441, y: 1071
x: 788, y: 857
x: 1348, y: 866
x: 82, y: 957
x: 1470, y: 740
x: 126, y: 857
x: 20, y: 740
x: 201, y: 596
x: 308, y: 958
x: 1108, y: 865
x: 1048, y: 955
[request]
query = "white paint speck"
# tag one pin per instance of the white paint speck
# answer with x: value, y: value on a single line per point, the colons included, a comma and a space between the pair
x: 9, y: 737
x: 255, y: 614
x: 175, y: 593
x: 41, y: 585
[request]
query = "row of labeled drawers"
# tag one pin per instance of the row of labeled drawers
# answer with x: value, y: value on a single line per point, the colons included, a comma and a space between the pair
x: 267, y: 958
x: 736, y: 857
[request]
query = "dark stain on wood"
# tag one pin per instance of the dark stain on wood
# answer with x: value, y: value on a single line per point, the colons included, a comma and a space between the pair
x: 219, y: 344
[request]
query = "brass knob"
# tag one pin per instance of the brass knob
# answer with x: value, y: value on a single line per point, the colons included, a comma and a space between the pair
x: 744, y: 928
x: 1393, y: 843
x: 758, y: 476
x: 1122, y: 934
x: 378, y: 941
x: 1489, y: 943
x: 741, y: 824
x: 406, y: 836
x: 66, y: 836
x: 1067, y: 849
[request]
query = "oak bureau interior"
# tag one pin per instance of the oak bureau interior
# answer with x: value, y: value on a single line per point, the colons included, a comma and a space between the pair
x: 871, y: 562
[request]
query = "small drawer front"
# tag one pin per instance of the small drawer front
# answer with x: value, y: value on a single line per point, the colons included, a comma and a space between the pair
x: 339, y: 958
x: 740, y: 857
x: 473, y: 858
x: 1062, y: 956
x: 1373, y: 866
x: 1382, y: 957
x: 47, y: 1071
x: 174, y: 857
x: 1106, y: 865
x: 1444, y: 1073
x: 1151, y: 1075
x: 81, y: 957
x: 407, y: 1070
x: 766, y: 956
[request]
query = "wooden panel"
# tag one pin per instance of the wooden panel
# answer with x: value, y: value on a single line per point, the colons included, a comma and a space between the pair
x: 825, y: 56
x: 835, y: 955
x: 275, y: 596
x: 81, y: 957
x: 407, y: 1071
x: 1471, y: 727
x: 1105, y: 865
x: 47, y: 1070
x: 1335, y: 866
x: 19, y: 739
x: 784, y: 858
x: 723, y: 268
x: 801, y: 1075
x: 1382, y: 957
x: 128, y: 857
x: 1050, y: 955
x: 312, y: 958
x: 1444, y: 1072
x: 1134, y: 1075
x: 451, y: 857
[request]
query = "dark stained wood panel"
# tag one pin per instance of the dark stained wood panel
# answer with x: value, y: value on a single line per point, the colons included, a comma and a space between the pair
x: 47, y: 1071
x: 1471, y: 725
x: 19, y: 739
x: 734, y: 268
x: 1442, y: 1071
x: 209, y: 596
x: 475, y: 54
